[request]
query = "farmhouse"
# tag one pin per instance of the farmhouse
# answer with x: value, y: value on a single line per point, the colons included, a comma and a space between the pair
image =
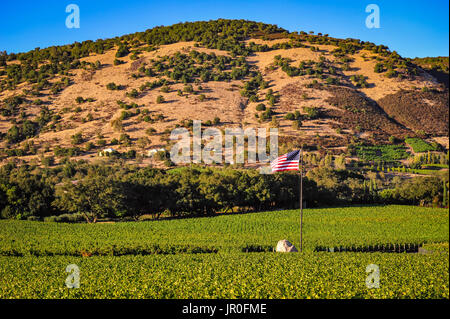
x: 153, y: 151
x: 106, y: 150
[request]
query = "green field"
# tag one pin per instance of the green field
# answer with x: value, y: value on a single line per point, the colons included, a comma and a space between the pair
x: 418, y: 145
x: 207, y: 258
x: 381, y: 152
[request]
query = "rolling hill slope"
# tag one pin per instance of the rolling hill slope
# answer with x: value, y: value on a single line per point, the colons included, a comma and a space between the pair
x: 129, y: 92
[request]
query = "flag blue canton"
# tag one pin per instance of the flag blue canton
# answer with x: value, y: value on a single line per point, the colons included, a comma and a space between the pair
x: 293, y: 156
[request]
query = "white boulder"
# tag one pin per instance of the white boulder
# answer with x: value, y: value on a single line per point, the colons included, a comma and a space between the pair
x: 285, y: 246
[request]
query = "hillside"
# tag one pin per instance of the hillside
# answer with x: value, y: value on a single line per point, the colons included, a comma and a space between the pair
x: 437, y: 67
x: 129, y: 92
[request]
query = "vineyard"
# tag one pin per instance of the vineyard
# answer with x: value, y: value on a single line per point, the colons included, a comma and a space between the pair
x: 381, y: 152
x: 229, y: 256
x: 419, y: 145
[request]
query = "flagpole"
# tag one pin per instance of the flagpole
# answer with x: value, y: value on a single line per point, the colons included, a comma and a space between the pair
x: 301, y: 199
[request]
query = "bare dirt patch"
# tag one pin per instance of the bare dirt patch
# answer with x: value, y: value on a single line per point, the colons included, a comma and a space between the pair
x: 427, y: 111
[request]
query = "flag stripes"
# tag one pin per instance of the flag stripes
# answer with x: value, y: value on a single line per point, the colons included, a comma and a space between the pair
x: 286, y: 162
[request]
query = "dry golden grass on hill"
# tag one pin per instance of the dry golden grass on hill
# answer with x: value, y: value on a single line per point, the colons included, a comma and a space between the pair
x: 223, y: 100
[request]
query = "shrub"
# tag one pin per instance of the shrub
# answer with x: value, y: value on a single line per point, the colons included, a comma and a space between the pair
x: 89, y: 117
x: 160, y: 99
x: 289, y: 116
x: 360, y: 80
x: 378, y: 68
x: 274, y: 122
x: 134, y: 93
x: 391, y: 74
x: 48, y: 161
x: 124, y: 115
x: 312, y: 112
x: 79, y: 100
x: 331, y: 80
x: 272, y: 100
x: 14, y: 135
x: 77, y: 138
x: 111, y: 86
x: 188, y: 88
x: 89, y: 146
x: 118, y: 62
x: 261, y: 107
x: 122, y: 51
x: 150, y: 131
x: 117, y: 125
x: 161, y: 155
x: 125, y: 139
x: 253, y: 98
x: 101, y: 142
x: 65, y: 218
x: 297, y: 124
x: 142, y: 142
x: 267, y: 114
x: 134, y: 56
x: 169, y: 163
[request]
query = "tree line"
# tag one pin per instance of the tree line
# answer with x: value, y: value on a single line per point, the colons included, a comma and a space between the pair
x: 95, y: 191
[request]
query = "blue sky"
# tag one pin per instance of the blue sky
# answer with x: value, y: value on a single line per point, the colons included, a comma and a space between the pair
x: 412, y: 28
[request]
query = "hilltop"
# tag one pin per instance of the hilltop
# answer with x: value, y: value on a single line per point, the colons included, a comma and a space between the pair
x: 129, y: 92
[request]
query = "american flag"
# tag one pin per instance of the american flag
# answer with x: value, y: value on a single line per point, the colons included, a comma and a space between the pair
x: 286, y: 162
